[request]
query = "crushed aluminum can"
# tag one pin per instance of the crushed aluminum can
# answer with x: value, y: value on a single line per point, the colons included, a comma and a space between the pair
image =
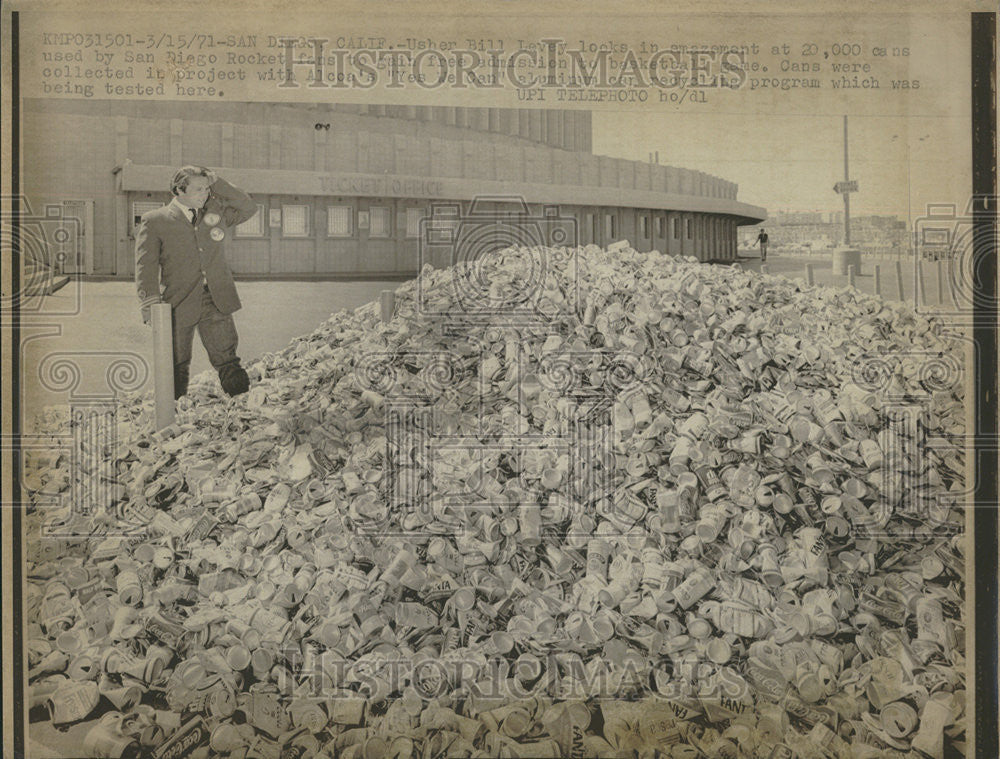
x: 899, y: 719
x: 124, y: 698
x: 130, y: 590
x: 667, y: 502
x: 930, y: 620
x: 888, y: 609
x: 238, y: 657
x: 168, y: 631
x: 697, y: 585
x: 106, y: 739
x: 530, y: 521
x: 711, y: 483
x: 309, y: 714
x: 738, y: 618
x: 598, y: 552
x: 202, y: 527
x: 693, y: 427
x: 225, y: 738
x: 73, y: 701
x: 713, y: 519
x: 743, y: 486
x: 218, y: 702
x: 346, y: 710
x: 266, y: 712
x: 934, y: 719
x: 188, y: 737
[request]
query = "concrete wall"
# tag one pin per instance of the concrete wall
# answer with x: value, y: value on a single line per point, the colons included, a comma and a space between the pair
x: 71, y: 159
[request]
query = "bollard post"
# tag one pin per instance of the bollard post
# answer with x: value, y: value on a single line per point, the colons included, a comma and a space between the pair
x: 850, y: 275
x: 810, y: 278
x: 940, y: 282
x: 388, y: 305
x: 163, y: 364
x: 878, y: 280
x: 899, y: 280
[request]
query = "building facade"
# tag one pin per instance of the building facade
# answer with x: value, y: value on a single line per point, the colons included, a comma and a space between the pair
x: 342, y: 190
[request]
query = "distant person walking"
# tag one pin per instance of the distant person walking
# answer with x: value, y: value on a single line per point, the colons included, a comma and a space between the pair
x: 762, y: 241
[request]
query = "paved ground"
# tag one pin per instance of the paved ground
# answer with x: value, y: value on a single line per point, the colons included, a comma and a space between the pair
x: 941, y: 285
x: 95, y: 320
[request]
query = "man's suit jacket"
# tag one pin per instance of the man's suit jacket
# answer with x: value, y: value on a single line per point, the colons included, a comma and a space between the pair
x: 172, y: 253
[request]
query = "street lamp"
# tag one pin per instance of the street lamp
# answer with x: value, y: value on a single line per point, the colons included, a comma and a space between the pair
x: 911, y: 232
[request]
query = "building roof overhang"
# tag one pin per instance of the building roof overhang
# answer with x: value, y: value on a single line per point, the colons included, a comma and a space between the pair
x: 150, y: 177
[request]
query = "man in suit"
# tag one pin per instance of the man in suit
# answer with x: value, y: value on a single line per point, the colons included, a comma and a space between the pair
x: 179, y: 248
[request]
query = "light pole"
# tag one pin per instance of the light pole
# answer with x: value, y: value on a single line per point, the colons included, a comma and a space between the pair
x: 845, y: 188
x: 847, y: 191
x: 845, y: 256
x: 911, y: 233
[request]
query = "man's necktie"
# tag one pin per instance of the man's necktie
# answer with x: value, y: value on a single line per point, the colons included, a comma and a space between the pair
x: 194, y: 216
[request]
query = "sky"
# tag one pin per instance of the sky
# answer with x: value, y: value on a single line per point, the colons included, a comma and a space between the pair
x: 791, y: 162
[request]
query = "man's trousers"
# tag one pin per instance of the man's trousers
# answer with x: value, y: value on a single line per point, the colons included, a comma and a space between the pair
x: 218, y: 334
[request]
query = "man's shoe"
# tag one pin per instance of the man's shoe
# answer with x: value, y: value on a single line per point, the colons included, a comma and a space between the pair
x: 234, y: 379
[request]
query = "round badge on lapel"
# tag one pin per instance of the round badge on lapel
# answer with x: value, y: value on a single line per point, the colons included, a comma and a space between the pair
x: 217, y: 233
x: 212, y: 218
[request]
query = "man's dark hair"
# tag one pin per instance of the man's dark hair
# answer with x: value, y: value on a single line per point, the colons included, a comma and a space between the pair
x: 180, y: 181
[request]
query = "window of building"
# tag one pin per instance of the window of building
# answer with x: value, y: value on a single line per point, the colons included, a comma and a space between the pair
x: 413, y: 217
x: 690, y: 229
x: 644, y: 226
x: 139, y: 207
x: 379, y: 221
x: 295, y: 221
x: 661, y: 226
x: 610, y: 226
x: 676, y: 224
x: 594, y: 226
x: 254, y: 226
x: 339, y: 221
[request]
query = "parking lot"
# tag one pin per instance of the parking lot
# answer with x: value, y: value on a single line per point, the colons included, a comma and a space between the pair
x: 934, y: 285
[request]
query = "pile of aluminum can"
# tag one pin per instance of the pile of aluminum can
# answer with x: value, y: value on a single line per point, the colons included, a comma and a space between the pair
x: 565, y: 503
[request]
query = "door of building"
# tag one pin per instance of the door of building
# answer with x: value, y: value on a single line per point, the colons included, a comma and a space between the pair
x: 75, y: 244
